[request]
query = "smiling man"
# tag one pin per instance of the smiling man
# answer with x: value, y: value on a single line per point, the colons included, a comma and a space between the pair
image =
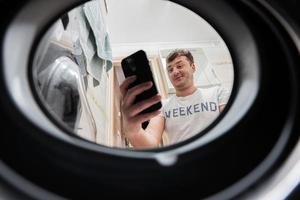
x: 182, y: 116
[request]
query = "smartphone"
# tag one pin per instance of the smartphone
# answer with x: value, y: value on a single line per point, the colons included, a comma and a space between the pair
x: 137, y: 64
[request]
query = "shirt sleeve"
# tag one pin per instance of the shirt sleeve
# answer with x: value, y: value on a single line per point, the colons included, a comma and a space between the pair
x: 162, y: 113
x: 223, y: 95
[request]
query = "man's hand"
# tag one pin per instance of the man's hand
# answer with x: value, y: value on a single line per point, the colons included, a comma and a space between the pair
x: 132, y: 119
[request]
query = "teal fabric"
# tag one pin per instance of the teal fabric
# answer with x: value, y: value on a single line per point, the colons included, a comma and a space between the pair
x: 92, y: 11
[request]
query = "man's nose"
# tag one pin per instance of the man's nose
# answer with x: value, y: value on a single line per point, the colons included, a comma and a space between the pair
x: 175, y: 71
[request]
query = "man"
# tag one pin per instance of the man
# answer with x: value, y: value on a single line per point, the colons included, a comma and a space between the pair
x: 182, y: 116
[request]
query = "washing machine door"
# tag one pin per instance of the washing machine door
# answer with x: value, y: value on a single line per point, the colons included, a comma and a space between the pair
x: 252, y: 151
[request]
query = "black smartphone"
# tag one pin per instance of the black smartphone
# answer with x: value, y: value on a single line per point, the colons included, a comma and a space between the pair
x: 137, y: 64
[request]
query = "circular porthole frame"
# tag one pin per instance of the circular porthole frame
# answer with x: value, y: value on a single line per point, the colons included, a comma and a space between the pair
x: 246, y: 59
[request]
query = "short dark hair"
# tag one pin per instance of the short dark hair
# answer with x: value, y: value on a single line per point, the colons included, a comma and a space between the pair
x: 180, y: 52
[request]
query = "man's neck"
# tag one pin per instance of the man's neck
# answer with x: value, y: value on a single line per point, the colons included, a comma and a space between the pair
x: 186, y: 91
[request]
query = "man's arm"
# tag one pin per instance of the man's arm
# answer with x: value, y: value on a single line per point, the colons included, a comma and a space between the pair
x: 132, y: 117
x: 223, y: 96
x: 151, y: 137
x: 221, y: 107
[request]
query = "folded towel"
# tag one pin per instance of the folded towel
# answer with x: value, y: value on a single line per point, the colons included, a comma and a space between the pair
x: 94, y: 16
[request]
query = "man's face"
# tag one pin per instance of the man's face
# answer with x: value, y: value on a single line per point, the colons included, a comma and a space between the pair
x: 181, y: 72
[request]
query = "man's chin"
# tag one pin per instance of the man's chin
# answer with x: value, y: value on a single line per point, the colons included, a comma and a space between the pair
x: 178, y: 82
x: 179, y: 85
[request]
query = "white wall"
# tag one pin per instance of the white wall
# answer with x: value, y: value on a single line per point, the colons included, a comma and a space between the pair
x: 159, y: 24
x: 155, y: 22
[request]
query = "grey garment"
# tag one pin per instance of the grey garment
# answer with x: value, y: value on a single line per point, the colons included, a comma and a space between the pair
x: 87, y: 42
x: 59, y: 88
x: 79, y: 57
x: 96, y: 22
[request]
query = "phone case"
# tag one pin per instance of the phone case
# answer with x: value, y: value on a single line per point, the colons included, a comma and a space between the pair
x: 138, y: 64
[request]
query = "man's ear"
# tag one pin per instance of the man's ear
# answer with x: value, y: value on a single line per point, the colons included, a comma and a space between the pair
x: 193, y: 67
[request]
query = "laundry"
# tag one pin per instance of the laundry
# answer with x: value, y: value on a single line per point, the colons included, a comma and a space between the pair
x: 98, y: 28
